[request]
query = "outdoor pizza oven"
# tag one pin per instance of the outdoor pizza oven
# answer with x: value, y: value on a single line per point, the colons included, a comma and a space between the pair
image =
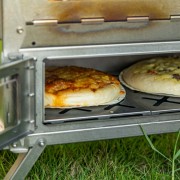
x: 107, y: 35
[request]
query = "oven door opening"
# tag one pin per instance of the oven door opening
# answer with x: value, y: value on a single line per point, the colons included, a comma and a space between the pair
x: 135, y: 104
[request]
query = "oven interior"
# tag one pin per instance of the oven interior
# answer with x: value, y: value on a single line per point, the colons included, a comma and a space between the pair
x: 135, y: 103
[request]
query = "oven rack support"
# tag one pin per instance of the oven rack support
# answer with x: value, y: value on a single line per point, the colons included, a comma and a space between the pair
x: 87, y: 51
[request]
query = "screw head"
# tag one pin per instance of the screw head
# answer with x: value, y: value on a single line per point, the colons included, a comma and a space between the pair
x: 32, y: 121
x: 20, y: 30
x: 14, y: 145
x: 41, y: 143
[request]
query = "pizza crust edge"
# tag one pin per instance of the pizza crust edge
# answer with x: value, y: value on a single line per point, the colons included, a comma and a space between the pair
x: 149, y: 83
x: 83, y: 97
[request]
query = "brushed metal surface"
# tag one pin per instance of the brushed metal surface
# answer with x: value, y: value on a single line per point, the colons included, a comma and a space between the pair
x: 18, y: 107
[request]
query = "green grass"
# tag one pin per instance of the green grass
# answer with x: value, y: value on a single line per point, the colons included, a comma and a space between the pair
x: 126, y: 159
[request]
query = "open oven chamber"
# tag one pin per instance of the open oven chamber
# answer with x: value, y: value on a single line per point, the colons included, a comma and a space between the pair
x: 108, y: 35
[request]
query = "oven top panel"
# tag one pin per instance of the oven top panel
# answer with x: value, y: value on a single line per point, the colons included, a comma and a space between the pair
x: 109, y: 10
x: 57, y: 23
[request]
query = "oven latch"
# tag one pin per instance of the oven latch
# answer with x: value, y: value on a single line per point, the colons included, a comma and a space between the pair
x: 18, y: 148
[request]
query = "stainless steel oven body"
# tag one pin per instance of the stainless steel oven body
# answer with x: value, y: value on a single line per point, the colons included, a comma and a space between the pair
x: 108, y: 35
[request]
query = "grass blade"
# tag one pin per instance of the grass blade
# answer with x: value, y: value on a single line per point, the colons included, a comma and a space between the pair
x: 176, y: 155
x: 152, y: 146
x: 177, y: 170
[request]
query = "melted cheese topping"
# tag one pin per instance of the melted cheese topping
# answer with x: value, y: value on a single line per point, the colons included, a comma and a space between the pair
x: 164, y: 68
x: 75, y: 78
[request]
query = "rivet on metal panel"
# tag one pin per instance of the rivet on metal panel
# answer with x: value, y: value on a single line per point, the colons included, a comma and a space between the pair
x: 20, y: 30
x: 35, y: 58
x: 14, y: 145
x: 31, y: 94
x: 41, y: 143
x: 31, y: 121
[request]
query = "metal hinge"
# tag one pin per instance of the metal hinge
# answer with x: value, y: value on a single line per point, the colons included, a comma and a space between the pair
x: 42, y: 22
x: 18, y: 148
x: 92, y: 21
x: 15, y: 56
x: 174, y: 18
x: 143, y: 19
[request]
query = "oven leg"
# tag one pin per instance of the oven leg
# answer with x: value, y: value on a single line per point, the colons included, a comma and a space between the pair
x: 25, y: 162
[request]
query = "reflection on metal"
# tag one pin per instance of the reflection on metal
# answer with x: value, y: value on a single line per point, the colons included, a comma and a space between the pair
x: 175, y: 18
x: 45, y: 22
x: 138, y: 19
x: 92, y: 21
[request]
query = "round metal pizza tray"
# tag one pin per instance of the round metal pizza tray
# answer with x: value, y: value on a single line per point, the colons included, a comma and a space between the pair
x: 119, y: 99
x: 134, y: 89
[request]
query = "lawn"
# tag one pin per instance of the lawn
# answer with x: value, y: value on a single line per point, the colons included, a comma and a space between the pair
x: 119, y: 159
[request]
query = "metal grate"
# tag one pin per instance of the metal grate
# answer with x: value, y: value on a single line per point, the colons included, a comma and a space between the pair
x: 135, y: 104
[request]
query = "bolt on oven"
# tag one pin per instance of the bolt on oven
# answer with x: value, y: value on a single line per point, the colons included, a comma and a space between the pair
x: 106, y: 35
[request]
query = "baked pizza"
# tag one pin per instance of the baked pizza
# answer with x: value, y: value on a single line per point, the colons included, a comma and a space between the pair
x: 72, y: 86
x: 159, y: 75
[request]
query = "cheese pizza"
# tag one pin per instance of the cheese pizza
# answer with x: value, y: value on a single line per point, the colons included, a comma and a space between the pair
x: 159, y: 75
x: 72, y: 86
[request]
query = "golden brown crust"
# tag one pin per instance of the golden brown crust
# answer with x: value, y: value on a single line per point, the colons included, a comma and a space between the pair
x: 71, y: 77
x: 77, y: 86
x: 157, y: 76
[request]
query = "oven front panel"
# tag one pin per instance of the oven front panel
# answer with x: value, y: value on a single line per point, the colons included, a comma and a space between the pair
x: 95, y: 35
x: 156, y: 114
